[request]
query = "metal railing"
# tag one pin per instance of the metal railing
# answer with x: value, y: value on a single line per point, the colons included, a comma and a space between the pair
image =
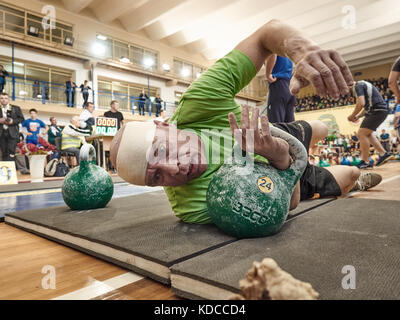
x: 56, y: 93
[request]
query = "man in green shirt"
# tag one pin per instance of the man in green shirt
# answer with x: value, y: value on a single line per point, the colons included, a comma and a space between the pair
x: 183, y: 154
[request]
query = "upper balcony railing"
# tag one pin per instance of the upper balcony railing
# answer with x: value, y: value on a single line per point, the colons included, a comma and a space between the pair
x: 57, y: 93
x: 23, y: 25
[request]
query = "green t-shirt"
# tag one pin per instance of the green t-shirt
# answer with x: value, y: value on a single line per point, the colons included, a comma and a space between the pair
x: 204, y: 109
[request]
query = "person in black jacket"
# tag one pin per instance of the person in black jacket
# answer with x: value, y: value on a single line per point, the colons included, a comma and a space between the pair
x: 158, y: 102
x: 10, y: 118
x: 3, y: 74
x: 70, y: 92
x: 142, y: 101
x: 85, y: 92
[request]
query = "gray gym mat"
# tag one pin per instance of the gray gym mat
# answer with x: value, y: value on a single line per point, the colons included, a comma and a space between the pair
x: 138, y: 232
x: 308, y: 205
x: 314, y: 248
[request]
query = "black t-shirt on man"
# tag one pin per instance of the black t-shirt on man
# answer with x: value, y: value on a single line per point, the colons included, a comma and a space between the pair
x: 117, y: 115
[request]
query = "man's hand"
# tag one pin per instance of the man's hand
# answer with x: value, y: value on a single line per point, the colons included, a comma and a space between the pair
x: 274, y: 149
x: 325, y: 70
x: 10, y: 121
x: 352, y: 118
x: 271, y: 78
x: 29, y: 133
x: 398, y: 100
x: 2, y: 120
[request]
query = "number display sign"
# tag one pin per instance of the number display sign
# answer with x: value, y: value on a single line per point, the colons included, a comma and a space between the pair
x: 106, y: 126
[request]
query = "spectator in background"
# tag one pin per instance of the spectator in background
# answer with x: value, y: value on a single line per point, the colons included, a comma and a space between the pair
x: 281, y: 102
x: 397, y: 120
x: 394, y: 77
x: 85, y: 92
x: 3, y: 74
x: 10, y: 118
x: 35, y: 89
x: 385, y: 140
x: 158, y: 101
x: 395, y: 143
x: 72, y: 137
x: 370, y: 104
x: 70, y: 92
x: 142, y: 101
x: 54, y: 131
x: 86, y: 118
x: 32, y: 126
x: 114, y: 113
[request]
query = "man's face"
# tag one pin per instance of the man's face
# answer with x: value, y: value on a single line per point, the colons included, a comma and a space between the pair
x: 4, y: 100
x: 90, y: 108
x: 75, y: 122
x: 33, y: 115
x: 54, y: 121
x: 176, y: 157
x: 115, y: 106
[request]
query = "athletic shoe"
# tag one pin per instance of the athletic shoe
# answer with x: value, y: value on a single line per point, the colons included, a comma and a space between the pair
x: 367, y: 180
x: 364, y: 165
x: 383, y: 159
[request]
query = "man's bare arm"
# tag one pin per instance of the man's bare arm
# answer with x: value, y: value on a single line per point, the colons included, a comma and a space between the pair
x: 324, y: 69
x: 269, y: 66
x: 393, y: 79
x: 359, y: 107
x: 396, y: 119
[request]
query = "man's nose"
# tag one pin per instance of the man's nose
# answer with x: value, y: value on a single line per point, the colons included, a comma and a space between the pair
x: 172, y: 168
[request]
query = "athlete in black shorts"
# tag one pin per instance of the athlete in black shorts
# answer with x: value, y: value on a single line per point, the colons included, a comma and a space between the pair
x: 334, y: 181
x: 372, y: 106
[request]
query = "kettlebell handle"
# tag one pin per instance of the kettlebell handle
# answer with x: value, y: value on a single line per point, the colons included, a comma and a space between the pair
x: 87, y: 153
x: 296, y: 150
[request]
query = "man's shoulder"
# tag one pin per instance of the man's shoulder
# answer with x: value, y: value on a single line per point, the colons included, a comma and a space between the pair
x: 15, y: 106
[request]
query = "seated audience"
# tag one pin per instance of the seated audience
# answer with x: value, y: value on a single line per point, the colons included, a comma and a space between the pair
x: 54, y: 131
x: 73, y: 137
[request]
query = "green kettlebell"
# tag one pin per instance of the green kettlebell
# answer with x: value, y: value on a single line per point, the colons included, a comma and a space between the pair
x: 87, y: 186
x: 253, y: 201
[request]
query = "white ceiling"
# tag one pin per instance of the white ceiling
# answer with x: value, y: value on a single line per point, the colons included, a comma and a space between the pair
x: 213, y: 27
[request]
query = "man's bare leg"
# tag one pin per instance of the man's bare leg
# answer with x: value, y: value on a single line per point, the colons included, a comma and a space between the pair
x: 345, y: 177
x: 377, y: 145
x: 319, y: 131
x: 365, y: 142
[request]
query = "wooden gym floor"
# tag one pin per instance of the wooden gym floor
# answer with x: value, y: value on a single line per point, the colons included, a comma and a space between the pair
x: 23, y: 257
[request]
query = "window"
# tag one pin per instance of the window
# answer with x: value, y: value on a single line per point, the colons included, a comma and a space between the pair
x: 32, y: 80
x: 178, y: 96
x: 187, y: 70
x: 117, y: 49
x: 14, y: 19
x: 123, y: 92
x: 120, y: 50
x: 30, y: 24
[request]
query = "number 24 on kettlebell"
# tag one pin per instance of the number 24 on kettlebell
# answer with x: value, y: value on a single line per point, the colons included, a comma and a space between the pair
x: 265, y: 185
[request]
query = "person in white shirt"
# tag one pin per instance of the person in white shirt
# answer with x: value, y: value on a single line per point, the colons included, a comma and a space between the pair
x: 86, y: 119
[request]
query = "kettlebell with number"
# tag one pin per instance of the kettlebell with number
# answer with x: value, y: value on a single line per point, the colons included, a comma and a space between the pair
x: 87, y: 186
x: 253, y: 201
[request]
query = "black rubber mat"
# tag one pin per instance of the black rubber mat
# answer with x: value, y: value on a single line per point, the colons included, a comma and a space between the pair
x: 308, y: 205
x: 138, y: 232
x: 316, y: 248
